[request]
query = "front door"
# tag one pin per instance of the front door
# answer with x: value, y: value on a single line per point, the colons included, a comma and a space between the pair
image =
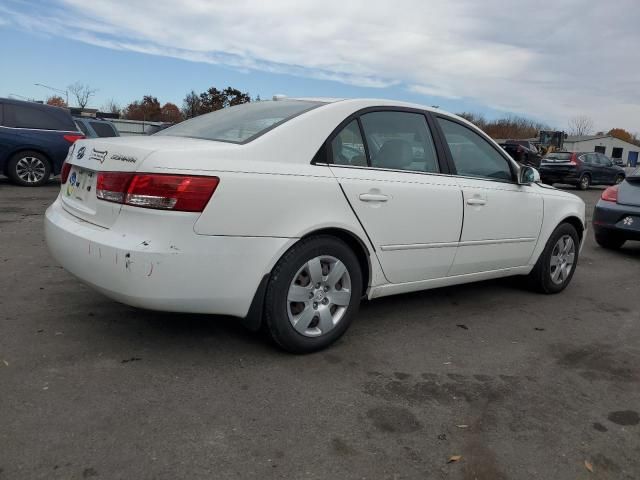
x: 412, y: 215
x: 502, y: 220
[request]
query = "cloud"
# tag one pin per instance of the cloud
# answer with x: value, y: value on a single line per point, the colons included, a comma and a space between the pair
x: 541, y: 58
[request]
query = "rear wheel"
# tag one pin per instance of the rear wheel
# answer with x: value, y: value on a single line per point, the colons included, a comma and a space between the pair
x: 585, y: 182
x: 29, y: 169
x: 609, y: 240
x: 313, y: 294
x: 557, y: 263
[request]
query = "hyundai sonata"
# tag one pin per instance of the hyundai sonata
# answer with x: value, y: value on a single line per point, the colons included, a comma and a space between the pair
x: 287, y: 213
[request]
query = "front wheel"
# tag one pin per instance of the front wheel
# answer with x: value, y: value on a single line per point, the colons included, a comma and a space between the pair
x: 619, y: 179
x: 557, y: 263
x: 313, y: 294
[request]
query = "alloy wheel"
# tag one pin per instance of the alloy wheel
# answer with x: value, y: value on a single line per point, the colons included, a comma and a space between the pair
x: 562, y: 259
x: 584, y: 182
x: 30, y: 169
x: 319, y: 296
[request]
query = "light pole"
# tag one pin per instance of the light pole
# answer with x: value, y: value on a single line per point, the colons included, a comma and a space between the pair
x: 66, y: 92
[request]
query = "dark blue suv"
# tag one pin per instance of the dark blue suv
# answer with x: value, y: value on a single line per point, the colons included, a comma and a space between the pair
x: 34, y: 140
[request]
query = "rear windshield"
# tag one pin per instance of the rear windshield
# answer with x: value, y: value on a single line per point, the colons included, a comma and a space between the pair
x: 559, y: 156
x: 241, y: 123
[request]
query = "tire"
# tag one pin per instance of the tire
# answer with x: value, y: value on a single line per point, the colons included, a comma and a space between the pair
x: 619, y: 179
x: 585, y: 182
x: 292, y: 278
x: 609, y: 241
x: 544, y: 277
x: 29, y: 169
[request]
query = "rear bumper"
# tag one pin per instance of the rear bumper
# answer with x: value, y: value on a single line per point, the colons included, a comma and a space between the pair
x: 165, y: 266
x: 620, y: 220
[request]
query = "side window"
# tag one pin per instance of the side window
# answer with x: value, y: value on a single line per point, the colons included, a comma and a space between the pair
x: 400, y: 141
x: 26, y: 116
x: 103, y: 129
x: 604, y: 160
x: 472, y: 155
x: 590, y: 158
x: 81, y: 126
x: 347, y: 148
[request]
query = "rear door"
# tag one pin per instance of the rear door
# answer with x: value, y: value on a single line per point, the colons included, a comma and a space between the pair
x: 502, y: 220
x: 609, y: 170
x: 411, y: 213
x: 591, y: 165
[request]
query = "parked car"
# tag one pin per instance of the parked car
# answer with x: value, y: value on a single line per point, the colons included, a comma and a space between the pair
x: 34, y: 140
x: 95, y: 127
x: 522, y: 154
x: 616, y: 217
x: 286, y: 213
x: 581, y: 169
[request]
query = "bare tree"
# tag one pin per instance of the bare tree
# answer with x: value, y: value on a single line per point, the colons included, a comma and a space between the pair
x: 82, y: 93
x: 191, y: 105
x: 111, y: 106
x: 580, y: 125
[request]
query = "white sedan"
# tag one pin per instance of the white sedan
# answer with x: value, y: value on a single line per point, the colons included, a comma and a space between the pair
x: 287, y: 213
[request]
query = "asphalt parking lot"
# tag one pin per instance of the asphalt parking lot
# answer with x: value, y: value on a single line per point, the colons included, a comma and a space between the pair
x: 520, y: 385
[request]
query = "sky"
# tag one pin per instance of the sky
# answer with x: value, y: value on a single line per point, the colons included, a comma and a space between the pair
x: 546, y: 60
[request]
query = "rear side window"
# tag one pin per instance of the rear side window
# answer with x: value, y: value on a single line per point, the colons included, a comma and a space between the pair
x: 590, y: 158
x: 472, y: 155
x: 241, y: 123
x: 400, y: 141
x: 347, y: 148
x: 42, y: 118
x: 103, y: 129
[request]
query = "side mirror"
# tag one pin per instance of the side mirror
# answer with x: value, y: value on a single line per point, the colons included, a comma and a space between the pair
x: 528, y: 175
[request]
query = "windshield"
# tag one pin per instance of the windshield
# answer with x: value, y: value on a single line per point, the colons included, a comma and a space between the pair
x: 241, y: 123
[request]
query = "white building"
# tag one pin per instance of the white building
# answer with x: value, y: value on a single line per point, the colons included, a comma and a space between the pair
x: 612, y: 147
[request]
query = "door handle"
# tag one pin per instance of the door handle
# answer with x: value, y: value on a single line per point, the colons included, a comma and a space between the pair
x: 373, y: 197
x: 476, y: 202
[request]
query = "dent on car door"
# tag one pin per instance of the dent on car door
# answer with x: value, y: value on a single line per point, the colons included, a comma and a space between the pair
x: 412, y: 216
x: 502, y: 220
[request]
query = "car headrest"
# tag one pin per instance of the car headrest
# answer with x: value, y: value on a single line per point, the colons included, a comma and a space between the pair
x: 396, y: 154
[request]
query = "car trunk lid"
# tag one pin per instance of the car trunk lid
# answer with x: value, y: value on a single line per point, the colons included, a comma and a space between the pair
x: 629, y: 191
x: 120, y: 154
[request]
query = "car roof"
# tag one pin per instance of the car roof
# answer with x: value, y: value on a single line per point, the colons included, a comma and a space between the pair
x: 92, y: 119
x: 44, y: 106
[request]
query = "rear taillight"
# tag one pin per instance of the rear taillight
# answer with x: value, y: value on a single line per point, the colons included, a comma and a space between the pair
x: 183, y: 193
x: 73, y: 138
x: 64, y: 172
x: 112, y: 186
x: 610, y: 194
x: 574, y: 159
